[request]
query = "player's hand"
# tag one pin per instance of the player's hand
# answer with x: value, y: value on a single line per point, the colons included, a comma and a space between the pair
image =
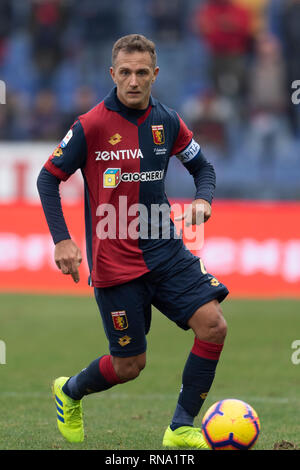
x: 68, y: 257
x: 197, y: 213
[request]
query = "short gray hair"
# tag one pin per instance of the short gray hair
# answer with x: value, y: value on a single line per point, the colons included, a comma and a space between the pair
x: 132, y: 43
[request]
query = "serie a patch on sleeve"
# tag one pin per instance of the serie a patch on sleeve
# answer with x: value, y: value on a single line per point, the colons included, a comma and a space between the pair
x: 66, y: 139
x: 189, y: 152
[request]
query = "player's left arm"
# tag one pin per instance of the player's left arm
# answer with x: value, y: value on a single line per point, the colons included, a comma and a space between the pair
x: 203, y: 173
x: 204, y: 177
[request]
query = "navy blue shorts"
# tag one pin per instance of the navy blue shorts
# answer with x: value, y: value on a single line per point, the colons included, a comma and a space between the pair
x: 177, y: 293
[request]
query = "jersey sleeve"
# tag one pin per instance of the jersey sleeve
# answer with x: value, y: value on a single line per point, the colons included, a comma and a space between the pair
x: 183, y: 138
x: 204, y: 176
x: 69, y: 155
x: 188, y: 151
x: 48, y: 188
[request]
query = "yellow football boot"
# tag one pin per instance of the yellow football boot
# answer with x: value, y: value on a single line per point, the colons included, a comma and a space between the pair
x: 69, y: 413
x: 185, y: 437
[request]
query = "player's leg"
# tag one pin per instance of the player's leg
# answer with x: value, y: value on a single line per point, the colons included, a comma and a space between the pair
x: 191, y: 298
x: 126, y: 318
x: 210, y: 330
x: 124, y: 313
x: 101, y: 374
x: 129, y: 368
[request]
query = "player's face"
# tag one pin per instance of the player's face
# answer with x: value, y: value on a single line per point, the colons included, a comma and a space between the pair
x: 133, y: 73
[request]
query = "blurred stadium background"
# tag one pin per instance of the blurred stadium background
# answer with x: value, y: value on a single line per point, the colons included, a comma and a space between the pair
x: 230, y: 77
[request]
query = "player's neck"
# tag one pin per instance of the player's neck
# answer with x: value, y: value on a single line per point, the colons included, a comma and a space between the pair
x: 131, y: 111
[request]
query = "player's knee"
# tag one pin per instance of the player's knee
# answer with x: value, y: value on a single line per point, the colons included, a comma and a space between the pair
x: 216, y: 325
x: 220, y: 330
x: 209, y: 323
x: 128, y: 368
x: 129, y: 372
x: 215, y: 332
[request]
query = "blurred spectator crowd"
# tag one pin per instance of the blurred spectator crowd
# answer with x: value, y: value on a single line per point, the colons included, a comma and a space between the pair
x: 227, y: 66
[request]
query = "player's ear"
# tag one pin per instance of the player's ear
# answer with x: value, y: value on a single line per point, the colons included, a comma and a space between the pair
x: 156, y: 70
x: 112, y: 73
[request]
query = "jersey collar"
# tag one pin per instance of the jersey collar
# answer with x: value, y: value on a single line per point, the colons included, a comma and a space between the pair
x: 111, y: 101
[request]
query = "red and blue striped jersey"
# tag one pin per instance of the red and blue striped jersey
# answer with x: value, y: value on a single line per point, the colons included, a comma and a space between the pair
x: 123, y: 155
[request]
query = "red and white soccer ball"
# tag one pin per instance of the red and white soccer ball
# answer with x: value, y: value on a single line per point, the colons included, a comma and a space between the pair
x: 230, y: 424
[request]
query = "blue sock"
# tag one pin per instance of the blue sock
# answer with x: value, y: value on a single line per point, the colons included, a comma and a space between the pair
x: 97, y: 377
x: 197, y: 378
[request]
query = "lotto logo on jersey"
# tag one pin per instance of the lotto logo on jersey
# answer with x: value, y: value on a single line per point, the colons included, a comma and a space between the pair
x: 57, y: 152
x: 115, y: 139
x: 111, y: 177
x: 158, y: 134
x: 119, y: 320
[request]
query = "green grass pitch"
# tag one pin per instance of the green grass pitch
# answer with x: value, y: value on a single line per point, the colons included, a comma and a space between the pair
x: 49, y: 336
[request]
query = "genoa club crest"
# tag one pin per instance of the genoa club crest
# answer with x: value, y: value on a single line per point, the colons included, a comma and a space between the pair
x: 158, y: 134
x: 120, y: 320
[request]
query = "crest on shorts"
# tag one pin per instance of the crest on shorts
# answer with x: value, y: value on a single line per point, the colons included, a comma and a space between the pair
x: 158, y: 134
x: 119, y: 320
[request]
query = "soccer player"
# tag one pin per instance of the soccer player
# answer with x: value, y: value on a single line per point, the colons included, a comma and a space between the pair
x: 122, y: 147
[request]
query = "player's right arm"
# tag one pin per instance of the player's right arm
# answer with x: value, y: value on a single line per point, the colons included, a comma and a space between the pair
x: 65, y: 160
